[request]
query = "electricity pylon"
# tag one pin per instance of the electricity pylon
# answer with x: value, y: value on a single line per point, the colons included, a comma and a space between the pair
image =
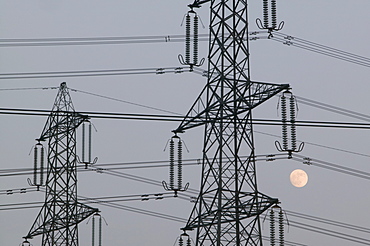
x: 228, y: 208
x: 58, y: 219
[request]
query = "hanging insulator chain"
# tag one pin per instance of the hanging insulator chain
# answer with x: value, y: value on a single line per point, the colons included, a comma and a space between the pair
x: 93, y: 231
x: 179, y: 149
x: 96, y: 233
x: 189, y: 38
x: 195, y: 41
x: 265, y: 13
x: 38, y: 166
x: 266, y: 17
x: 281, y: 228
x: 292, y: 121
x: 172, y: 164
x: 42, y: 159
x: 35, y: 152
x: 83, y: 142
x: 273, y: 14
x: 86, y: 147
x: 181, y: 241
x: 188, y: 241
x: 90, y: 141
x: 179, y: 165
x: 100, y: 231
x: 272, y: 227
x: 288, y: 146
x: 284, y: 122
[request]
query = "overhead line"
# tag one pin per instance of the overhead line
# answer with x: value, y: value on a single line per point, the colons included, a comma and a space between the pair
x: 92, y: 73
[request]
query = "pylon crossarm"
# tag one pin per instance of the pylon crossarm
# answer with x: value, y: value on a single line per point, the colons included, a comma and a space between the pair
x: 198, y: 3
x: 60, y: 221
x: 255, y: 205
x: 198, y: 114
x: 52, y: 128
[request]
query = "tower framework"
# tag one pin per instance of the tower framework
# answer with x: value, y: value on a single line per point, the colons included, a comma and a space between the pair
x: 229, y: 204
x: 58, y: 219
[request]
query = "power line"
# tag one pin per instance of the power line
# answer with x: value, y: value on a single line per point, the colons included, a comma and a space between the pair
x: 45, y: 42
x: 318, y: 145
x: 124, y: 101
x: 331, y: 166
x: 333, y: 109
x: 177, y: 118
x: 320, y: 49
x: 327, y: 221
x: 94, y: 73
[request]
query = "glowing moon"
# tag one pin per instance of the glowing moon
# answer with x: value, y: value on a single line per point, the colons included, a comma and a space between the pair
x: 298, y: 178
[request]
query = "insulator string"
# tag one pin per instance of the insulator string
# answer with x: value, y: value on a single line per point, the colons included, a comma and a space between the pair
x: 181, y: 241
x: 93, y: 231
x: 172, y: 164
x: 272, y: 227
x: 100, y: 231
x: 90, y: 141
x: 42, y: 159
x: 281, y: 228
x: 273, y: 14
x: 195, y: 41
x: 83, y: 142
x: 179, y: 166
x: 284, y: 122
x: 292, y: 121
x: 35, y: 165
x: 187, y: 39
x: 188, y: 241
x: 265, y: 13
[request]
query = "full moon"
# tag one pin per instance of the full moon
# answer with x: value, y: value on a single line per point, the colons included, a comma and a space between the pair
x: 298, y: 178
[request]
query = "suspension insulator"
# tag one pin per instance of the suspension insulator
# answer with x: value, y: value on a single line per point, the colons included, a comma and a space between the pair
x: 100, y: 231
x: 284, y: 122
x: 181, y: 241
x: 172, y: 164
x: 188, y: 241
x: 90, y: 141
x: 292, y: 121
x: 195, y: 41
x: 38, y: 165
x: 83, y: 142
x: 273, y: 14
x: 42, y: 159
x: 281, y: 228
x: 179, y: 165
x: 187, y: 39
x: 93, y: 231
x: 86, y: 142
x: 35, y: 152
x: 265, y: 13
x: 272, y: 227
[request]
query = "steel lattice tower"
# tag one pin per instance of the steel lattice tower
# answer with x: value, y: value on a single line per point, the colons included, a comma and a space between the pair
x: 58, y: 219
x: 229, y: 204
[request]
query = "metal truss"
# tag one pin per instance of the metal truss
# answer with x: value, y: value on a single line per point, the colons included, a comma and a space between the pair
x: 58, y: 219
x: 229, y: 204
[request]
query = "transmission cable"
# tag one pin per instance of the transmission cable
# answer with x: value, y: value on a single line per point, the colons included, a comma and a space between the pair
x: 123, y: 101
x: 334, y: 109
x: 327, y: 221
x: 331, y: 166
x: 318, y: 145
x: 320, y: 49
x: 94, y: 73
x: 45, y: 42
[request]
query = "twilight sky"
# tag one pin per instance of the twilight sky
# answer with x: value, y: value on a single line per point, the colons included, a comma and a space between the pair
x: 329, y: 194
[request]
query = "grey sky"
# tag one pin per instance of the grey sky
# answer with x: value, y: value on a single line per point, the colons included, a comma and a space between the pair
x: 332, y: 195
